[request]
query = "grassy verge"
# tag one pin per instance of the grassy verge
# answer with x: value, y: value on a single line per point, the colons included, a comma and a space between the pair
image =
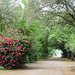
x: 68, y: 61
x: 2, y: 70
x: 72, y: 62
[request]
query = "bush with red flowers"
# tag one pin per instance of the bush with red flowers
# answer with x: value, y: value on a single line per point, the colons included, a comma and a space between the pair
x: 13, y: 48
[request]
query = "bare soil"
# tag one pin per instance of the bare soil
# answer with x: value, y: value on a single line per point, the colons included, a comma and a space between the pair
x: 50, y: 66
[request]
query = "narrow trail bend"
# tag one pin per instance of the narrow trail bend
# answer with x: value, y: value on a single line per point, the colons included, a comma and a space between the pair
x: 51, y: 66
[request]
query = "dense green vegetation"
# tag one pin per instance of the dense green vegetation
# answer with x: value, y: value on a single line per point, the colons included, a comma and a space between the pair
x: 51, y: 23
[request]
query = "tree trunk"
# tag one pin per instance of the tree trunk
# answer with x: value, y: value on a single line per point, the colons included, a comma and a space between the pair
x: 72, y: 56
x: 69, y: 55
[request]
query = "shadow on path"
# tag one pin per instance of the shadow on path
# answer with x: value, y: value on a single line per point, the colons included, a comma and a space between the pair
x: 50, y: 63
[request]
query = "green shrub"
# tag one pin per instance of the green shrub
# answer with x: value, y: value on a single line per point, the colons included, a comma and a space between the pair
x: 14, y: 51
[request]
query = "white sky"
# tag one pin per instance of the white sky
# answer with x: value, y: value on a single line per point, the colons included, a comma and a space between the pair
x: 22, y: 5
x: 58, y: 53
x: 19, y: 2
x: 46, y: 8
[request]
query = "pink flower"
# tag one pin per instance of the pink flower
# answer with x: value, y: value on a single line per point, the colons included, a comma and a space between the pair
x: 20, y: 30
x: 32, y: 37
x: 2, y: 57
x: 15, y: 41
x: 1, y: 44
x: 13, y: 32
x: 2, y: 50
x: 8, y: 45
x: 9, y: 32
x: 5, y: 54
x: 15, y: 47
x: 16, y: 51
x: 2, y: 35
x: 10, y: 60
x: 8, y: 28
x: 18, y: 46
x: 16, y: 58
x: 12, y: 53
x: 5, y: 39
x: 28, y: 45
x: 9, y: 50
x: 17, y: 55
x: 6, y: 51
x: 1, y: 64
x: 13, y: 65
x: 22, y: 49
x: 11, y: 43
x: 10, y: 39
x: 14, y: 61
x: 5, y: 27
x: 28, y: 49
x: 23, y: 53
x: 20, y: 34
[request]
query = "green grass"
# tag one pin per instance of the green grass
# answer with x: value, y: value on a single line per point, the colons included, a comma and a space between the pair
x: 72, y: 62
x: 3, y: 70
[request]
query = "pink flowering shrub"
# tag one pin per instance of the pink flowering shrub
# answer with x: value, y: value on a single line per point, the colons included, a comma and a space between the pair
x: 14, y: 46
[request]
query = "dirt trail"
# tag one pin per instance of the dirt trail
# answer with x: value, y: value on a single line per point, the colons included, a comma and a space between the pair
x: 51, y: 66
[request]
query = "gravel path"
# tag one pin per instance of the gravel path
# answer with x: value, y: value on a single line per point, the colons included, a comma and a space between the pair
x: 51, y: 66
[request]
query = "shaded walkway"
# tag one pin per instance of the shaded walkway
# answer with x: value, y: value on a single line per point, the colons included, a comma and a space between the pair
x: 51, y: 66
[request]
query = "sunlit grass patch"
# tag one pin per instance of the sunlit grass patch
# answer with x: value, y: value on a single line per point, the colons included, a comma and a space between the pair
x: 3, y: 70
x: 72, y: 62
